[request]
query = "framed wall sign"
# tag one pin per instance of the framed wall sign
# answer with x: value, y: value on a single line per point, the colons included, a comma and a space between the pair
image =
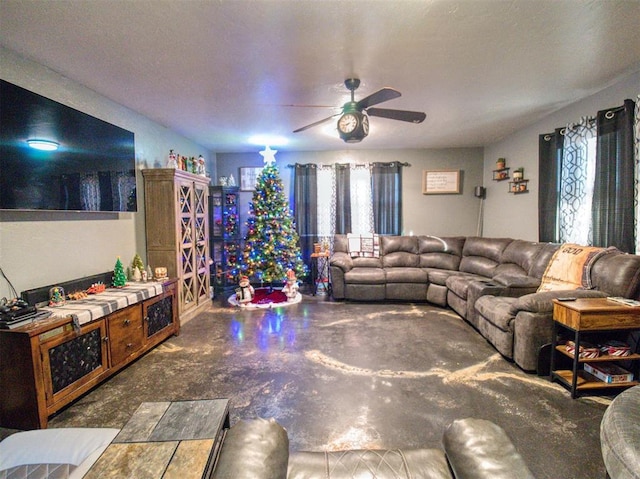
x: 440, y: 182
x: 248, y: 178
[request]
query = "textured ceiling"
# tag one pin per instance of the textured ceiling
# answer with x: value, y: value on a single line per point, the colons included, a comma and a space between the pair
x: 219, y: 72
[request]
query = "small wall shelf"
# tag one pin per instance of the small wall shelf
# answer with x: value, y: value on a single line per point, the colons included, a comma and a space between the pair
x: 519, y: 186
x: 501, y: 174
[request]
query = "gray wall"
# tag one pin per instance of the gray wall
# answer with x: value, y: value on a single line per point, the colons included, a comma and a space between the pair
x: 449, y: 214
x: 42, y: 248
x: 516, y: 216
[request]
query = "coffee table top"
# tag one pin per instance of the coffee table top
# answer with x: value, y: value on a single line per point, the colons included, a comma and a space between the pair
x: 175, y: 421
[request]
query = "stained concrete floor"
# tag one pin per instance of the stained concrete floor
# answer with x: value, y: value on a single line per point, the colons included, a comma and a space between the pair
x: 350, y: 375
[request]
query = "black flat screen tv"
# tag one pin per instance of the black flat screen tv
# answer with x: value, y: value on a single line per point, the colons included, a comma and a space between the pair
x: 92, y: 169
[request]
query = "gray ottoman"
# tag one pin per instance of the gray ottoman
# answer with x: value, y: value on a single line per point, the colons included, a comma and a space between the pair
x: 620, y: 435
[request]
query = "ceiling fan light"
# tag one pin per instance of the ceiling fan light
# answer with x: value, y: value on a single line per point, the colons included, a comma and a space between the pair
x: 43, y: 145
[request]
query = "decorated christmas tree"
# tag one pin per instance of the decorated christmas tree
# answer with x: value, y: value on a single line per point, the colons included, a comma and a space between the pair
x: 119, y: 276
x: 272, y: 242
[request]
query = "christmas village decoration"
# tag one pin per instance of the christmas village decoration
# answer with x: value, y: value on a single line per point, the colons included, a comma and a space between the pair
x: 271, y: 246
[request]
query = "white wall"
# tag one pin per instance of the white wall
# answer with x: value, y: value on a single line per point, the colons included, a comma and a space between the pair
x: 42, y: 248
x: 450, y: 214
x: 516, y: 216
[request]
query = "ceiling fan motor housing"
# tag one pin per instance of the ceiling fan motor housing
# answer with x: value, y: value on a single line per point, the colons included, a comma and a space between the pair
x: 359, y: 132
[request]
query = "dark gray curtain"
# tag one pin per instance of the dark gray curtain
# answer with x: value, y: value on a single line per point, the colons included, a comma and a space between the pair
x: 613, y: 194
x: 549, y: 164
x: 305, y: 205
x: 343, y: 199
x: 386, y: 188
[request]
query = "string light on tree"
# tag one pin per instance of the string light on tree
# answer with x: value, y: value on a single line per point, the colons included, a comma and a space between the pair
x: 272, y: 242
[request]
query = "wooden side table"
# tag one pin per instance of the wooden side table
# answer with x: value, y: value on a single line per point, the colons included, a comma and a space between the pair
x: 168, y: 440
x: 585, y: 316
x: 320, y: 271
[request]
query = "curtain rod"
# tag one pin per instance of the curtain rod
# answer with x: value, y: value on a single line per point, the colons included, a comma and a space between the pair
x: 305, y: 164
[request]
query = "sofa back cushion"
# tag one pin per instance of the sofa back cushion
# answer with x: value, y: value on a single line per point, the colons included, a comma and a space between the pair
x: 482, y: 255
x: 440, y: 252
x: 518, y: 257
x: 399, y: 251
x: 340, y: 244
x: 541, y: 261
x: 570, y: 267
x: 617, y: 274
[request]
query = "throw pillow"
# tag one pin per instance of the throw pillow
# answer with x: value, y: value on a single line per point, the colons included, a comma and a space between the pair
x: 364, y: 245
x: 570, y: 267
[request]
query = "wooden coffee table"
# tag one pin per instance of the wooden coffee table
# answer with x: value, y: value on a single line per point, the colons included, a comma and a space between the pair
x: 180, y: 439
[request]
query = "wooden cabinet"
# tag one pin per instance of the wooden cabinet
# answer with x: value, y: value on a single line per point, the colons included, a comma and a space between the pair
x: 50, y: 363
x: 224, y: 237
x: 177, y: 230
x: 126, y: 334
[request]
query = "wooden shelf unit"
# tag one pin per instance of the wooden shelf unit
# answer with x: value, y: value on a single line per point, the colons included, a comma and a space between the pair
x: 50, y: 363
x: 177, y: 231
x: 585, y: 316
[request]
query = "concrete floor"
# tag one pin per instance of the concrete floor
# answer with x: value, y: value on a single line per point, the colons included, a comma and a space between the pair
x: 349, y: 375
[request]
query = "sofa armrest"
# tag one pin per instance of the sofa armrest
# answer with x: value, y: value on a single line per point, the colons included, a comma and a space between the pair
x: 254, y: 449
x: 480, y: 449
x: 342, y: 261
x: 516, y: 281
x: 543, y: 302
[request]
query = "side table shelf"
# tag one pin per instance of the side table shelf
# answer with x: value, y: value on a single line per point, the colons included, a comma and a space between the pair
x: 585, y: 317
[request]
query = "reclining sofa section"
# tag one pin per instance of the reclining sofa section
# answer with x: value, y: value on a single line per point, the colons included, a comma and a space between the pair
x: 491, y: 282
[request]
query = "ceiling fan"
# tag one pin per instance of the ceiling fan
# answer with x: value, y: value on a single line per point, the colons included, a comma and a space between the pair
x: 353, y: 124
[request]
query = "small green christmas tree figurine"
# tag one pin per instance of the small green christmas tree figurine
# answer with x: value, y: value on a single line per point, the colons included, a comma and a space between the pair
x: 119, y: 276
x: 272, y: 242
x: 137, y: 262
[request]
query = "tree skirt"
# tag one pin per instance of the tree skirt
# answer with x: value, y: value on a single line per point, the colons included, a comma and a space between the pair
x: 266, y: 298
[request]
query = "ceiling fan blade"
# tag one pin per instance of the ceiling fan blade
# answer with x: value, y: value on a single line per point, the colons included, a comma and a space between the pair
x: 316, y: 123
x: 402, y: 115
x: 378, y: 97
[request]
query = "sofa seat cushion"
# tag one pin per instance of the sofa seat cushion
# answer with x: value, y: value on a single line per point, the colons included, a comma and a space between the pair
x: 440, y: 276
x: 498, y: 310
x: 406, y: 275
x: 459, y: 284
x: 365, y: 276
x: 375, y: 464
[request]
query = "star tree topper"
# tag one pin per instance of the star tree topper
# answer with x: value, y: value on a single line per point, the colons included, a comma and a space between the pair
x: 269, y: 156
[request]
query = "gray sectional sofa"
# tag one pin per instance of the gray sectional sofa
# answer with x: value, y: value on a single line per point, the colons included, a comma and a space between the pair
x: 491, y: 282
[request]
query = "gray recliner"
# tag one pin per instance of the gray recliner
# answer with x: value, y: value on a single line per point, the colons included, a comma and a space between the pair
x: 472, y: 448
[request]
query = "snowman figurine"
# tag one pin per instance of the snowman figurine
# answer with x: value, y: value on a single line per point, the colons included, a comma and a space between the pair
x: 244, y: 294
x: 291, y: 288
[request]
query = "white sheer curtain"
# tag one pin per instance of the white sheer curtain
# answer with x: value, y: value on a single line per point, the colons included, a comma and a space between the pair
x: 576, y: 182
x: 361, y: 200
x: 326, y: 199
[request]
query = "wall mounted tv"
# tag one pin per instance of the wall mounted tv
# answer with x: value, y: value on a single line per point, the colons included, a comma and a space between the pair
x: 92, y: 169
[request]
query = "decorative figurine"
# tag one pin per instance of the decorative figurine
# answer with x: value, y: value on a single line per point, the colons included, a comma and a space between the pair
x: 201, y: 169
x: 244, y: 294
x: 290, y: 289
x: 231, y: 181
x: 56, y: 296
x: 173, y: 162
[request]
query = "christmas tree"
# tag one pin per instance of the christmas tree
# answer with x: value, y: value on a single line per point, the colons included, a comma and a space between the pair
x: 119, y: 277
x: 272, y: 242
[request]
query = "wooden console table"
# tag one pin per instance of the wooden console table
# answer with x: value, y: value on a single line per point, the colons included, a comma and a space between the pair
x: 585, y: 316
x: 49, y: 363
x: 180, y: 440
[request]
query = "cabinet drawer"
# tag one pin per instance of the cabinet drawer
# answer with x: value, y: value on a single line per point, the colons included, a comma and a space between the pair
x: 126, y: 335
